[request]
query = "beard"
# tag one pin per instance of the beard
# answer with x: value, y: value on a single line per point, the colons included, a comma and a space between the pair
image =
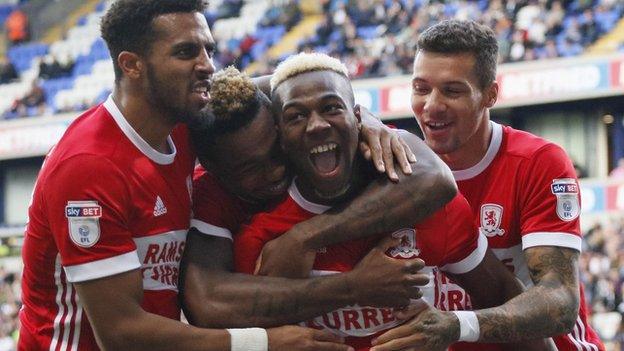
x: 161, y: 95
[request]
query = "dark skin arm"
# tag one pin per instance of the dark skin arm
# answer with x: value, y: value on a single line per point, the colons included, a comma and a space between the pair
x: 213, y: 296
x: 113, y: 305
x: 548, y: 308
x: 384, y: 206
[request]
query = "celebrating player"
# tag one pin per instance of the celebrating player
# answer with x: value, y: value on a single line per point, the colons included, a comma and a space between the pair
x: 318, y: 123
x: 247, y: 173
x: 523, y: 192
x: 111, y: 207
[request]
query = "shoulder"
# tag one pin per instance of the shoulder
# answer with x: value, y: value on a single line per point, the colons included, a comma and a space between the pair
x: 527, y: 145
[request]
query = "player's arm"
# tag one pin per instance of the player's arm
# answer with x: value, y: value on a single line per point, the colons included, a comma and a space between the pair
x: 113, y: 305
x: 384, y: 206
x: 213, y: 296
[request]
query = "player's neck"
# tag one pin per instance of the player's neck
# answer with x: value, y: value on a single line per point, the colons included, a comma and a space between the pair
x: 150, y: 125
x: 358, y: 180
x: 472, y: 151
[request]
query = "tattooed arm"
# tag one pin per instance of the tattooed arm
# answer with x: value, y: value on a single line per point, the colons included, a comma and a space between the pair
x: 212, y: 296
x: 548, y: 308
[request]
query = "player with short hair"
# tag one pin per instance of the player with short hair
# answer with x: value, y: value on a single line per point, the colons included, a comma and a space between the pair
x: 247, y: 173
x: 318, y: 121
x: 111, y: 206
x: 523, y: 192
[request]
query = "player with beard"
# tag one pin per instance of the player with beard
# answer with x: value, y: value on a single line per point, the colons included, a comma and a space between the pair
x: 318, y: 122
x: 248, y: 173
x: 111, y: 206
x: 524, y: 196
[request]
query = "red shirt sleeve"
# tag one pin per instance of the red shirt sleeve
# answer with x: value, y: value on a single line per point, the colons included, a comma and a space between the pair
x: 451, y: 235
x: 550, y: 201
x: 213, y: 213
x: 248, y: 244
x: 88, y: 208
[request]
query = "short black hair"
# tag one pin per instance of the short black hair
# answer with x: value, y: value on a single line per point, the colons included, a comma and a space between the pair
x: 127, y: 25
x: 455, y: 37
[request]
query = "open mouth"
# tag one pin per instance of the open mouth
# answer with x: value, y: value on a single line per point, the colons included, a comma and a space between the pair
x: 437, y: 125
x: 324, y: 158
x: 203, y: 90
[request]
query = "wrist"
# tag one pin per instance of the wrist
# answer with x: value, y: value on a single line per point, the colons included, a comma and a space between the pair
x: 248, y: 339
x: 467, y: 326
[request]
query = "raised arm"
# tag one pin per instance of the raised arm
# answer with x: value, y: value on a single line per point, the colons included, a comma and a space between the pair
x: 384, y: 206
x: 212, y: 296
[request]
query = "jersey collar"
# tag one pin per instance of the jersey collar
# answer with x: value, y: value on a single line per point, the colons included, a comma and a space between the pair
x: 135, y: 138
x: 495, y: 143
x: 309, y: 206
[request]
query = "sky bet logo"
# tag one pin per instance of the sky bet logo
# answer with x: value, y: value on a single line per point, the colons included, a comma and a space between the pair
x: 82, y: 211
x: 564, y: 188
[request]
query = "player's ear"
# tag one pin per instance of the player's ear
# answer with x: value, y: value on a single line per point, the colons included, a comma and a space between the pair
x: 491, y: 94
x: 130, y: 64
x: 357, y: 111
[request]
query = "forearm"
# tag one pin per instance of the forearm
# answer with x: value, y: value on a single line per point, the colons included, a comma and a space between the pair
x: 227, y: 299
x: 154, y: 333
x: 539, y: 312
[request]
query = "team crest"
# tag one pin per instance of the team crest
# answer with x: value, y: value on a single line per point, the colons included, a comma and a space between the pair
x: 407, y: 248
x: 567, y: 192
x: 84, y: 222
x: 491, y: 220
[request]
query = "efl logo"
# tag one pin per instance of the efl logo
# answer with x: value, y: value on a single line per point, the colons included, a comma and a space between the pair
x: 567, y: 193
x: 87, y: 211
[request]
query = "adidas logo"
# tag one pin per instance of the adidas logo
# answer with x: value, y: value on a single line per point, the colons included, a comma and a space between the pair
x: 159, y: 208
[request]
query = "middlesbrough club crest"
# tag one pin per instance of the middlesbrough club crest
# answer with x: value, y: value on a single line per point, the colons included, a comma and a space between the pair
x: 491, y: 219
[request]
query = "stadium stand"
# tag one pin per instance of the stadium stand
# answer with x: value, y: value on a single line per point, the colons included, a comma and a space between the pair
x: 375, y: 38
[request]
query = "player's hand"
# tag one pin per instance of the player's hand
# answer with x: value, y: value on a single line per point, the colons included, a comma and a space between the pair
x: 294, y: 338
x: 430, y: 330
x: 381, y: 281
x: 383, y: 145
x: 285, y: 256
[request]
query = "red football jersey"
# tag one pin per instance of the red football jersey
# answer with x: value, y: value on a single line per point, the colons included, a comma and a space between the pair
x: 216, y: 212
x: 523, y: 193
x: 447, y: 239
x: 105, y: 203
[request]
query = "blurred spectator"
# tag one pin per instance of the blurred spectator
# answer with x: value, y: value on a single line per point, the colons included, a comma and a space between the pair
x: 9, y: 307
x: 7, y: 71
x: 16, y: 26
x: 50, y: 68
x: 32, y: 104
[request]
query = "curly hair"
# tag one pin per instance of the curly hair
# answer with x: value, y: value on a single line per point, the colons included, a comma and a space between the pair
x: 455, y: 37
x: 127, y: 25
x: 235, y: 102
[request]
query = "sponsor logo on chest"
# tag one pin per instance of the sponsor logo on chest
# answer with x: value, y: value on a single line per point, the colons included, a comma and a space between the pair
x: 567, y: 193
x: 355, y: 321
x: 491, y: 217
x: 160, y: 257
x: 83, y: 219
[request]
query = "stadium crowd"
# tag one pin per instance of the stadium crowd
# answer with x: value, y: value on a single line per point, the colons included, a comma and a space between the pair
x: 376, y: 38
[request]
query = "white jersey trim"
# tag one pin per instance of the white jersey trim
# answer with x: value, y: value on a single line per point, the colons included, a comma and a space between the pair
x: 135, y: 138
x: 495, y: 143
x: 471, y: 261
x: 102, y: 268
x: 210, y: 229
x: 69, y: 316
x: 309, y: 206
x: 567, y: 240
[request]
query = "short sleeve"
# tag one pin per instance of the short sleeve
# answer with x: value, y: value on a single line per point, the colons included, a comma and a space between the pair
x: 209, y: 206
x: 465, y: 247
x: 87, y: 204
x: 248, y: 244
x: 550, y: 201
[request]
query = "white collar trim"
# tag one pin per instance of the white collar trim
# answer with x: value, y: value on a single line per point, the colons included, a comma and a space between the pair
x: 135, y: 138
x: 309, y: 206
x: 495, y: 143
